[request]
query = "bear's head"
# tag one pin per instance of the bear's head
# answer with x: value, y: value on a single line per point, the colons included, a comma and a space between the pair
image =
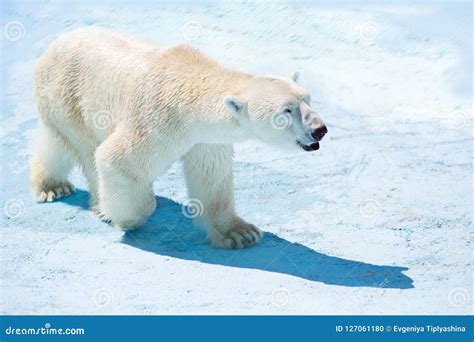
x: 277, y: 111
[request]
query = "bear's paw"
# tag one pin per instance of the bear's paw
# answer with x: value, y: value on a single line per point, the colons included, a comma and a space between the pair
x: 241, y: 235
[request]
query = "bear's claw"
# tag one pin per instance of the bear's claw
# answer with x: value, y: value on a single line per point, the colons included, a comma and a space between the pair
x: 54, y: 193
x: 241, y: 236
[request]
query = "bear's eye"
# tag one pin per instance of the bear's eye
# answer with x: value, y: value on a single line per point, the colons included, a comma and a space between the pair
x: 287, y: 110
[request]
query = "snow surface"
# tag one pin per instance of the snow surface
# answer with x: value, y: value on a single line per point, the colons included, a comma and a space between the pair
x: 378, y: 221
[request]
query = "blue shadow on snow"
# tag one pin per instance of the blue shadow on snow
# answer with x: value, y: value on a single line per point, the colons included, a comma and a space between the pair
x: 168, y: 232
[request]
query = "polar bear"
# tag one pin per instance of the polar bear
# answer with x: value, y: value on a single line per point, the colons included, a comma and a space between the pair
x: 125, y: 109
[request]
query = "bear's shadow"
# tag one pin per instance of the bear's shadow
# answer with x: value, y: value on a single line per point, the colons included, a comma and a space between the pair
x: 168, y: 232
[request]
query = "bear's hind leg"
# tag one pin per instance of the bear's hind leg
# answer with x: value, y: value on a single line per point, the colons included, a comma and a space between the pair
x: 50, y: 167
x: 208, y: 171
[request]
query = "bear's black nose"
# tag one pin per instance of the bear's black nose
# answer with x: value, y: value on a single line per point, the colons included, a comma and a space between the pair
x: 319, y: 133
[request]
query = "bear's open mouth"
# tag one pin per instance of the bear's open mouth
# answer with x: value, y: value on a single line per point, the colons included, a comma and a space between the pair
x: 309, y: 147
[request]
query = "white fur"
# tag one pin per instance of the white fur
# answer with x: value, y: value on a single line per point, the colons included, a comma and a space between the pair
x: 125, y: 110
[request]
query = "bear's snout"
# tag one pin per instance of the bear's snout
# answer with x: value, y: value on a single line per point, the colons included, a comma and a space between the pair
x: 319, y: 133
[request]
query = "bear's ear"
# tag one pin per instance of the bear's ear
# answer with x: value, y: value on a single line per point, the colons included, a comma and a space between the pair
x: 235, y: 105
x: 295, y: 75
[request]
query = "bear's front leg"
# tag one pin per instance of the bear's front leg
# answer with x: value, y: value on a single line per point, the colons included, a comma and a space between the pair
x: 208, y: 171
x: 125, y: 184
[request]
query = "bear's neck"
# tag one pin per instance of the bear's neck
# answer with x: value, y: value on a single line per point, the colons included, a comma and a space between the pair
x: 209, y: 114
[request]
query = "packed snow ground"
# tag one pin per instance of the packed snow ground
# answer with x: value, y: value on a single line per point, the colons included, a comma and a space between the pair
x: 378, y: 221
